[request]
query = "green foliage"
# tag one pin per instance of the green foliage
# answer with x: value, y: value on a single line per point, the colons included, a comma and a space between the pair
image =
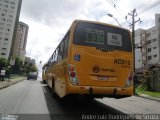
x: 142, y: 87
x: 145, y: 81
x: 3, y: 63
x: 143, y: 90
x: 30, y: 68
x: 18, y: 66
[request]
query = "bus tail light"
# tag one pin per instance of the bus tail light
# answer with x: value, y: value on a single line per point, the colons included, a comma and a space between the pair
x: 129, y: 81
x: 73, y: 75
x: 71, y: 68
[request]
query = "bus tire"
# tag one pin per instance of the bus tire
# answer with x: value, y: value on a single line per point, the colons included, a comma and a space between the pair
x: 53, y: 88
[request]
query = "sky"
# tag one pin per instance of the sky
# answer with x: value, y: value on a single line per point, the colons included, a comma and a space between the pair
x: 49, y: 20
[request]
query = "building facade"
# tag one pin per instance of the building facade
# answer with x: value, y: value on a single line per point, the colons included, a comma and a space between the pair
x: 19, y: 49
x: 148, y: 45
x: 28, y: 60
x: 9, y: 17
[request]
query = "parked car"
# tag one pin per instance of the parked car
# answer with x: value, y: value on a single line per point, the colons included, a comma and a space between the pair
x: 32, y: 75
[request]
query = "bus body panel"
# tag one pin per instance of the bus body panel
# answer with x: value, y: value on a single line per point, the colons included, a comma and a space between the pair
x: 98, y: 71
x: 114, y: 67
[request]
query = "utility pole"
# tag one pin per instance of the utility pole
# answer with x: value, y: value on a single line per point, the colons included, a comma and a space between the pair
x: 133, y: 14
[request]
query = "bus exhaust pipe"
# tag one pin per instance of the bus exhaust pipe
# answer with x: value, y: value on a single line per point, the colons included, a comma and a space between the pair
x: 114, y: 91
x: 90, y: 90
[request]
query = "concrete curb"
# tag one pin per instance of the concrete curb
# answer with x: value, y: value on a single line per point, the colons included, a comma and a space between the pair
x: 148, y: 97
x: 11, y: 83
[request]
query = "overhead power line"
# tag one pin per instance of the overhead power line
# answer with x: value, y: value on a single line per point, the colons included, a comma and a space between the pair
x: 111, y: 2
x: 146, y: 8
x: 149, y: 7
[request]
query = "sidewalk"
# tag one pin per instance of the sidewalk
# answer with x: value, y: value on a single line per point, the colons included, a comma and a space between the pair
x: 10, y: 82
x: 133, y: 105
x: 148, y: 97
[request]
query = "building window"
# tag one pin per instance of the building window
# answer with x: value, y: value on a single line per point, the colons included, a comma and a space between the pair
x: 6, y: 34
x: 4, y: 48
x: 3, y: 53
x: 6, y: 6
x: 11, y: 16
x: 3, y: 19
x: 12, y: 7
x: 149, y: 57
x: 12, y: 3
x: 154, y: 47
x: 2, y: 24
x: 6, y: 39
x: 149, y: 42
x: 1, y: 28
x: 148, y: 34
x: 4, y: 10
x: 8, y: 25
x: 155, y: 55
x: 154, y: 40
x: 4, y: 43
x: 154, y: 31
x: 6, y: 1
x: 8, y: 20
x: 149, y: 49
x: 11, y: 11
x: 3, y: 14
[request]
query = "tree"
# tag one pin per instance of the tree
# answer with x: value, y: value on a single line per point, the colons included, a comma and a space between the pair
x: 16, y: 69
x: 146, y: 80
x: 29, y: 67
x: 3, y: 63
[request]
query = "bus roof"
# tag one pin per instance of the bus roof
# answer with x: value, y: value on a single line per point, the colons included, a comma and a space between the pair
x: 101, y: 23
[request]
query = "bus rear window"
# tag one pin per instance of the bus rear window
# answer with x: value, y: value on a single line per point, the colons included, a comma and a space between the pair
x: 100, y: 36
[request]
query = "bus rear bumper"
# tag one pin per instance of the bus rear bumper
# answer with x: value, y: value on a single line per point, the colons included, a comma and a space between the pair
x: 116, y: 92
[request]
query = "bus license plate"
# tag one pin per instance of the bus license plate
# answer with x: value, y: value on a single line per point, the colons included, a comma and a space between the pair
x: 103, y: 78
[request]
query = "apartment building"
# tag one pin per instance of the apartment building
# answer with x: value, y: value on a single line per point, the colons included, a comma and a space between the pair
x: 9, y: 16
x: 148, y: 45
x: 19, y: 49
x: 28, y: 60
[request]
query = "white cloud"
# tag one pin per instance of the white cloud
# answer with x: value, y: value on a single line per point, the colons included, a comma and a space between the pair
x: 49, y: 20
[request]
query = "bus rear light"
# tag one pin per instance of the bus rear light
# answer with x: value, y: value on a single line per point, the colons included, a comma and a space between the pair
x: 72, y: 74
x: 130, y: 78
x: 71, y: 68
x: 74, y: 81
x: 129, y: 81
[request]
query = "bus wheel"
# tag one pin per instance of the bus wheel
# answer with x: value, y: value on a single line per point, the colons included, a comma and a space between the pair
x: 53, y: 88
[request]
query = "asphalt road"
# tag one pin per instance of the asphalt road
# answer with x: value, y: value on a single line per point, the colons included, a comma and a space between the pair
x: 32, y: 100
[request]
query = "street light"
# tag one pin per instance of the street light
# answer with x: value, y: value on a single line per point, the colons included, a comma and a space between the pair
x: 110, y: 15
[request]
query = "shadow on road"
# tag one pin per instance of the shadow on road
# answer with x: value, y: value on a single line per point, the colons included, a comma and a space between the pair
x: 71, y: 109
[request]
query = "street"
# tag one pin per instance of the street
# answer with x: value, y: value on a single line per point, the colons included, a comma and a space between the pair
x: 30, y: 99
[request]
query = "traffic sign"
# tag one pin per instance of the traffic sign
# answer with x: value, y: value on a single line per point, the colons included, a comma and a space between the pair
x: 12, y: 61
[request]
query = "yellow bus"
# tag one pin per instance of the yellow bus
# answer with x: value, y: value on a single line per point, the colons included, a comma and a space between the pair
x: 93, y: 59
x: 44, y: 73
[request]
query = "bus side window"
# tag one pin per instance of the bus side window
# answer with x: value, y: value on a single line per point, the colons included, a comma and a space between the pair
x: 56, y: 55
x: 66, y: 45
x: 59, y: 54
x: 61, y: 50
x: 53, y: 58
